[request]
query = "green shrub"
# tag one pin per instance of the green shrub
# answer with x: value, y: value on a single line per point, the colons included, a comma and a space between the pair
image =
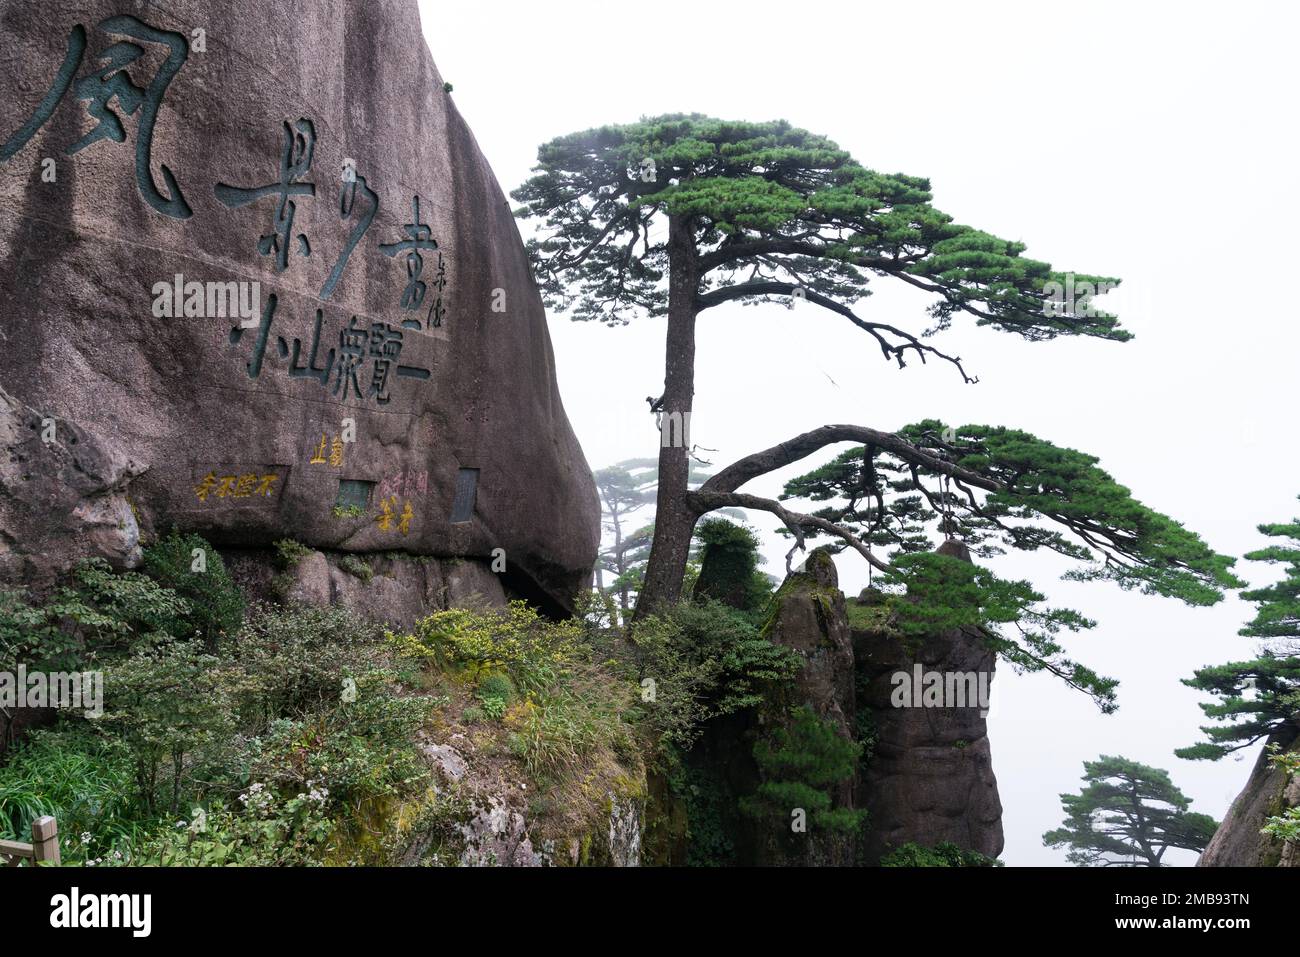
x: 801, y: 762
x: 289, y: 553
x: 217, y: 606
x: 729, y: 567
x: 170, y: 706
x: 696, y: 662
x: 518, y: 641
x: 298, y: 659
x: 298, y: 712
x: 97, y: 612
x: 357, y: 567
x: 357, y: 749
x: 496, y: 692
x: 260, y: 830
x: 1284, y: 826
x: 944, y: 854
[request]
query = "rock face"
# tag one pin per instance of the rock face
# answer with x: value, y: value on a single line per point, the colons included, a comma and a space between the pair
x: 258, y: 269
x: 930, y: 778
x: 1238, y: 842
x: 490, y: 827
x: 60, y: 488
x: 395, y: 589
x: 809, y: 619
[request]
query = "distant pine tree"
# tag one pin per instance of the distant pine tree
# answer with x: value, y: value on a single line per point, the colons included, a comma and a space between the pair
x: 1127, y: 815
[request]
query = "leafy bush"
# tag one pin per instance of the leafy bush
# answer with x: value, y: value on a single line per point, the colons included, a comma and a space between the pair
x: 729, y: 566
x: 166, y: 704
x: 1286, y: 825
x: 706, y: 660
x: 258, y: 831
x: 943, y: 854
x: 357, y: 567
x: 297, y: 712
x: 496, y: 691
x: 518, y: 641
x: 33, y: 636
x: 98, y: 611
x: 216, y: 604
x: 289, y: 553
x: 299, y: 659
x: 360, y: 749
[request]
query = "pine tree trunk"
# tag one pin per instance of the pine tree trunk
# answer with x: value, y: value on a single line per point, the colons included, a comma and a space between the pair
x: 674, y: 519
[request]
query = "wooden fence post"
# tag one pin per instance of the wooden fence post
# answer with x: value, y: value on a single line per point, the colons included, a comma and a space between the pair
x: 45, y: 840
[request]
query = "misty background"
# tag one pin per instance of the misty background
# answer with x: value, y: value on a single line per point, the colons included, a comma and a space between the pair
x: 1151, y: 142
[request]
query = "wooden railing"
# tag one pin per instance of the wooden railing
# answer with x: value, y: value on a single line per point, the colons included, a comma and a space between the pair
x: 44, y: 846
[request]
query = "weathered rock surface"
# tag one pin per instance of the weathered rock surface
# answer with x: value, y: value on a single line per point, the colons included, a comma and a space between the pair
x: 930, y: 778
x: 287, y: 153
x: 809, y: 619
x: 1269, y: 792
x: 60, y: 488
x: 490, y: 827
x: 394, y: 588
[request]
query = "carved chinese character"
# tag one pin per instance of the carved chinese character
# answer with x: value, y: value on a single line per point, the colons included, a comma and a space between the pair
x: 295, y: 163
x: 310, y: 371
x: 109, y: 81
x: 263, y: 333
x: 352, y: 352
x: 347, y: 201
x: 205, y: 487
x: 419, y: 237
x: 385, y: 518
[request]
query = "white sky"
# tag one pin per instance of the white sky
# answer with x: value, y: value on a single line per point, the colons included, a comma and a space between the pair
x: 1155, y: 142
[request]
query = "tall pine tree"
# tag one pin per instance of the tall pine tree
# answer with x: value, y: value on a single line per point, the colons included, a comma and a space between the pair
x: 761, y: 212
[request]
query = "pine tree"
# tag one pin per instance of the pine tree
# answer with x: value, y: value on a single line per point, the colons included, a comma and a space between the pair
x: 1127, y: 815
x: 625, y: 489
x: 762, y: 212
x: 1261, y: 697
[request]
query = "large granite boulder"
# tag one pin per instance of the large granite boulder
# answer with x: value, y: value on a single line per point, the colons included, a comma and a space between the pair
x: 930, y: 778
x: 253, y: 256
x: 1269, y: 792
